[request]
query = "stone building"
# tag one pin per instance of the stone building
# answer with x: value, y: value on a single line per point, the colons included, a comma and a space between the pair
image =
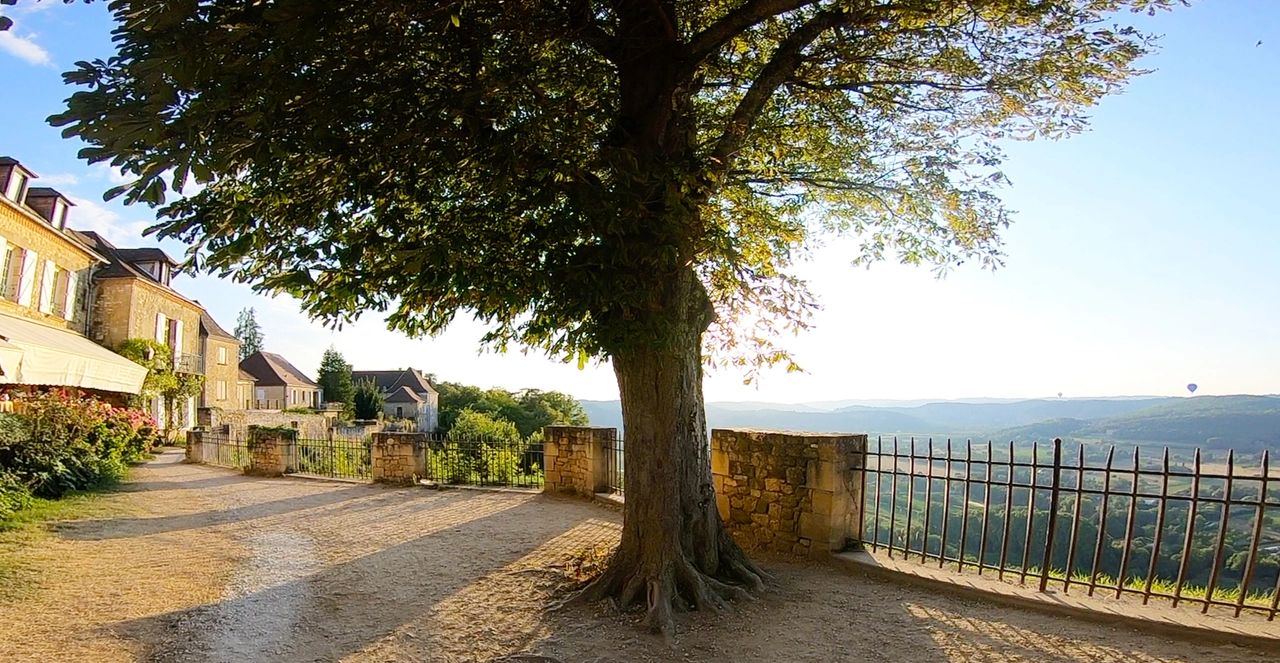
x: 44, y: 302
x: 279, y: 384
x: 133, y: 298
x: 408, y: 394
x: 221, y: 352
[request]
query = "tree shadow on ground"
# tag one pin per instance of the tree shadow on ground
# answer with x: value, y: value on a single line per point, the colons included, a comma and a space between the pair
x: 403, y: 577
x: 114, y: 528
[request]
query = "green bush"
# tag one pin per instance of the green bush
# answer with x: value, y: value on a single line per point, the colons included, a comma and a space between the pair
x: 65, y: 441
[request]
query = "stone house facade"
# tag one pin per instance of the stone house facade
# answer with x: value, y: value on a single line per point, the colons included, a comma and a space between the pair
x: 279, y: 384
x: 221, y: 353
x: 408, y: 394
x: 44, y: 275
x: 133, y: 298
x: 45, y: 300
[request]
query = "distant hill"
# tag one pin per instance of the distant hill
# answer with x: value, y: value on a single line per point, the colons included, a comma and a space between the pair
x: 1241, y: 422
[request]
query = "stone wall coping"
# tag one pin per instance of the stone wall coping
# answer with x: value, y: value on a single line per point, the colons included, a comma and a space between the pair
x: 788, y: 433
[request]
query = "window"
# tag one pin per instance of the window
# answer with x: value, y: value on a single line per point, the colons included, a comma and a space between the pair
x: 222, y: 355
x: 222, y: 390
x: 399, y: 412
x: 61, y: 292
x: 17, y: 185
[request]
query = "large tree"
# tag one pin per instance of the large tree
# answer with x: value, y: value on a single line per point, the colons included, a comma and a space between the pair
x: 625, y: 179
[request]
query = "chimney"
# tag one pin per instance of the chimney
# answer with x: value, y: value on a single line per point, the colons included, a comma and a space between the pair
x: 14, y: 179
x: 50, y: 204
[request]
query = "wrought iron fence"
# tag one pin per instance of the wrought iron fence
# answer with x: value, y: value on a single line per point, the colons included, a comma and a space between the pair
x: 334, y: 457
x: 224, y: 449
x: 1174, y: 527
x: 613, y: 465
x: 484, y: 462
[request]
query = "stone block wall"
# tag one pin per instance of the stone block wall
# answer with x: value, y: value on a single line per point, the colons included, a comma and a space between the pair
x: 310, y: 426
x: 792, y: 493
x: 574, y: 458
x: 271, y: 450
x: 195, y: 446
x: 399, y: 457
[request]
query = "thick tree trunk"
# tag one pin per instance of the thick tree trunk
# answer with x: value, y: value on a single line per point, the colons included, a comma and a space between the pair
x: 675, y: 552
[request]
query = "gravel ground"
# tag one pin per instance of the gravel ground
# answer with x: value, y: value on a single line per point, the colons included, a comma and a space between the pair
x: 202, y: 564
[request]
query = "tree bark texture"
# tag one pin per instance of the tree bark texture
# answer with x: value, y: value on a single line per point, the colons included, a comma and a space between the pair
x: 675, y: 552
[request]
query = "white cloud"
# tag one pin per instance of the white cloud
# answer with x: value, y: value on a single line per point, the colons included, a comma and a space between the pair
x: 61, y: 179
x: 110, y: 173
x: 90, y: 215
x: 25, y: 48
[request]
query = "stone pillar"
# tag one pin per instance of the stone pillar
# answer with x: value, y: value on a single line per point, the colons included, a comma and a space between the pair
x: 795, y: 493
x: 574, y: 459
x: 271, y: 451
x: 195, y: 446
x: 399, y: 457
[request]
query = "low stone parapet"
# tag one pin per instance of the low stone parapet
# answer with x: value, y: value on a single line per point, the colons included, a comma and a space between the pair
x: 271, y: 451
x: 793, y: 493
x: 574, y: 459
x: 398, y: 457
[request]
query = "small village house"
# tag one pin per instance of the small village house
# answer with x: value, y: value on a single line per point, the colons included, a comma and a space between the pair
x: 408, y: 394
x: 278, y: 384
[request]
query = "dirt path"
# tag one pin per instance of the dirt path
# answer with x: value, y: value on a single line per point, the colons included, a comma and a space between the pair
x: 201, y: 564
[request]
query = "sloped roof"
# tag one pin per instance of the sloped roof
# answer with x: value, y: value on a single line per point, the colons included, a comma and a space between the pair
x: 119, y: 261
x: 272, y: 370
x: 247, y: 376
x: 390, y: 381
x: 146, y: 254
x: 210, y: 327
x: 403, y: 395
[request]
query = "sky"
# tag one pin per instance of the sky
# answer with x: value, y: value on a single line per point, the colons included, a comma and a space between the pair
x: 1144, y: 256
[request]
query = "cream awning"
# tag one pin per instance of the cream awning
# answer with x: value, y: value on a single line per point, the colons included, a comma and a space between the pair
x: 34, y: 354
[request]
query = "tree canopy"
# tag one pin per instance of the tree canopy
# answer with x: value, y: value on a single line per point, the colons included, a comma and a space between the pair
x: 367, y: 401
x: 500, y: 183
x: 529, y: 410
x: 592, y: 178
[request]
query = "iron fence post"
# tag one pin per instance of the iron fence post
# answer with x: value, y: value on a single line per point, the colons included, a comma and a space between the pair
x: 1053, y: 513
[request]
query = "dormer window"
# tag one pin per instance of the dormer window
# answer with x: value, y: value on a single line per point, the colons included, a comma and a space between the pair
x: 50, y: 204
x: 14, y: 179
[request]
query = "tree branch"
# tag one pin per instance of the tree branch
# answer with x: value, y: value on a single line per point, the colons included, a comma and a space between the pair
x: 732, y: 24
x: 582, y: 19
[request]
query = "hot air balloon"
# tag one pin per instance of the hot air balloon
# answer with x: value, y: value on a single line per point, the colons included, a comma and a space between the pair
x: 1192, y: 387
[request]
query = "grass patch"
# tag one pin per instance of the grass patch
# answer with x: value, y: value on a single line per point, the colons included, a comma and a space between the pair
x: 28, y: 527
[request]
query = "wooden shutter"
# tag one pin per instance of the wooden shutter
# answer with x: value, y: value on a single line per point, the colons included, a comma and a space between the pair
x: 46, y: 286
x: 69, y: 307
x: 28, y: 280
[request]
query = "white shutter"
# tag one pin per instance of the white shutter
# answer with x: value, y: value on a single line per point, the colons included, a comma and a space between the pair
x: 46, y: 286
x: 73, y: 282
x: 162, y: 328
x: 28, y: 280
x: 177, y: 340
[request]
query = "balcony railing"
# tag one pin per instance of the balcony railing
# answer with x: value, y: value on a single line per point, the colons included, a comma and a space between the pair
x: 189, y: 363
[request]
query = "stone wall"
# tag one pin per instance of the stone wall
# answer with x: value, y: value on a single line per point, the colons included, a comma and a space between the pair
x: 792, y: 493
x: 270, y: 451
x: 22, y: 228
x: 574, y: 459
x: 126, y: 308
x: 398, y: 457
x: 311, y: 426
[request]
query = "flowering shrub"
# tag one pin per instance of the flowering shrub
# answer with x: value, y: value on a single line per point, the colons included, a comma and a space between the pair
x: 65, y: 440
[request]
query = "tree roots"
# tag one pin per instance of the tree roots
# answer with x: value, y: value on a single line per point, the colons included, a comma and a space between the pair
x: 673, y: 584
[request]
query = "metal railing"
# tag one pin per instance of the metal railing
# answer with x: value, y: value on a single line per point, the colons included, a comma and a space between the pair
x: 613, y: 466
x: 224, y: 450
x: 188, y: 363
x: 484, y: 462
x: 1176, y: 528
x: 336, y: 457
